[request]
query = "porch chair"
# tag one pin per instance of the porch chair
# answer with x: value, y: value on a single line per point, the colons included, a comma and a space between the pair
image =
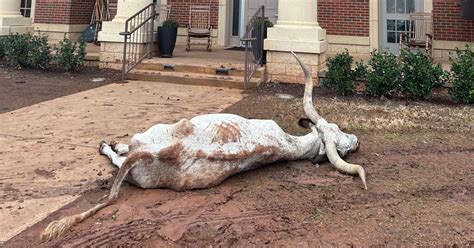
x: 199, y: 26
x: 420, y: 33
x: 164, y: 11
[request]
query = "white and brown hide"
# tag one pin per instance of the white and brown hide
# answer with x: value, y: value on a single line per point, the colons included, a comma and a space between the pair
x: 207, y: 149
x: 203, y: 151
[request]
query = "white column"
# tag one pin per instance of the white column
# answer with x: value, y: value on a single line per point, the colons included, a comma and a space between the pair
x: 297, y: 30
x: 125, y: 9
x: 11, y: 21
x: 223, y: 22
x: 374, y: 24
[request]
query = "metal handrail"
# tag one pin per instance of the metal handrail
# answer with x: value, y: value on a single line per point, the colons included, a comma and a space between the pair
x: 133, y: 53
x: 253, y: 39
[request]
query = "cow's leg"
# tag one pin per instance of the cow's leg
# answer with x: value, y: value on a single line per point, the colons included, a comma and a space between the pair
x: 106, y: 150
x: 119, y: 148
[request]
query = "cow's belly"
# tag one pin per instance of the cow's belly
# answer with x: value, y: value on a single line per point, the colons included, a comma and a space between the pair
x: 200, y: 173
x: 208, y: 149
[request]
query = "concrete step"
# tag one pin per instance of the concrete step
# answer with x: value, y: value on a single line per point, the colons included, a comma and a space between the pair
x: 92, y: 57
x: 92, y: 52
x: 235, y: 82
x: 202, y: 69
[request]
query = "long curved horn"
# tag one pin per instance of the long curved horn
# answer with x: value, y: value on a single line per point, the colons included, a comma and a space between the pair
x: 331, y: 150
x: 336, y: 160
x: 308, y: 93
x: 59, y: 227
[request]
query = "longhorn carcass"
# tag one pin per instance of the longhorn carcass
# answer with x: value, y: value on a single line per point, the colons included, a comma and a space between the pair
x: 205, y: 150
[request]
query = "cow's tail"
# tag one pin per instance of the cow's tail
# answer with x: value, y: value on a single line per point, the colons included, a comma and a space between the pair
x: 59, y: 227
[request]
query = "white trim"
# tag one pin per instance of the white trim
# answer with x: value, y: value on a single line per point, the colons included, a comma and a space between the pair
x: 63, y: 28
x: 450, y: 45
x: 223, y: 23
x: 428, y: 6
x: 348, y: 39
x: 242, y: 18
x: 374, y: 25
x: 33, y: 10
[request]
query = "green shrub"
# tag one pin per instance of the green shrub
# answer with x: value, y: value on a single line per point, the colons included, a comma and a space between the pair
x: 419, y: 75
x: 360, y: 71
x: 267, y: 23
x: 171, y: 23
x: 40, y: 53
x: 26, y: 50
x: 340, y: 76
x: 383, y: 77
x: 70, y: 54
x: 462, y: 69
x: 1, y: 46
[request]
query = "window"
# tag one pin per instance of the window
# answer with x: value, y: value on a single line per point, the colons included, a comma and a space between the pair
x: 394, y: 28
x: 400, y: 6
x: 399, y: 10
x: 25, y: 8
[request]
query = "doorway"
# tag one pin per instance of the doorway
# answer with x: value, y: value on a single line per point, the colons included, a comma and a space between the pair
x: 394, y: 21
x: 241, y: 12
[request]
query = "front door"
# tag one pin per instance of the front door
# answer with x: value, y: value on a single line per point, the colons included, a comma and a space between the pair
x: 237, y: 24
x: 395, y: 15
x: 242, y: 11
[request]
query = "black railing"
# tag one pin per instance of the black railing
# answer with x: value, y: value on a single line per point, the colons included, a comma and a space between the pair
x: 253, y: 40
x: 138, y: 38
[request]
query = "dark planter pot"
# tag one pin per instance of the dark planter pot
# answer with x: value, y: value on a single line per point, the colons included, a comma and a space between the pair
x: 167, y: 40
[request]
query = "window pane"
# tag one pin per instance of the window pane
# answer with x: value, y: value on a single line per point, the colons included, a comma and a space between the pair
x: 390, y: 25
x: 401, y: 25
x: 391, y: 37
x: 391, y: 6
x: 28, y: 13
x: 22, y: 11
x: 410, y: 6
x: 23, y: 3
x: 235, y: 18
x: 401, y: 6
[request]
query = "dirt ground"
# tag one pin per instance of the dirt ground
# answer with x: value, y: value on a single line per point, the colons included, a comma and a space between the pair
x: 419, y: 157
x: 48, y: 151
x: 21, y: 88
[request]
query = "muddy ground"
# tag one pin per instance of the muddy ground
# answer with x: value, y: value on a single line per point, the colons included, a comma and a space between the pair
x: 23, y: 87
x: 419, y: 157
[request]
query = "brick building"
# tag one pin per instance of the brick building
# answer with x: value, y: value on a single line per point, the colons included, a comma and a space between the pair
x: 357, y: 25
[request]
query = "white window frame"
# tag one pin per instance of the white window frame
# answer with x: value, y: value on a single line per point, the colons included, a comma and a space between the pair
x: 30, y: 8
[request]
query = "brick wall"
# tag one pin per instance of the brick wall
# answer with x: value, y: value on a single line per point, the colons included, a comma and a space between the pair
x: 447, y: 22
x: 180, y: 10
x: 64, y: 11
x: 344, y: 17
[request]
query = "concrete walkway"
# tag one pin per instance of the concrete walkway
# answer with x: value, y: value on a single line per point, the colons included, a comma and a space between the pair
x: 49, y: 151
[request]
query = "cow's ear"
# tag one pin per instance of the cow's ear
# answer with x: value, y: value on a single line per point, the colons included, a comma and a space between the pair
x: 305, y: 123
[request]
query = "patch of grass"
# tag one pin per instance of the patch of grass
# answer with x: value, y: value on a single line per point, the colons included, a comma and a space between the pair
x: 359, y: 115
x: 317, y: 216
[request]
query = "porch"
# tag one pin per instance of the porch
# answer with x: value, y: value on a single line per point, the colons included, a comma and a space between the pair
x: 223, y: 67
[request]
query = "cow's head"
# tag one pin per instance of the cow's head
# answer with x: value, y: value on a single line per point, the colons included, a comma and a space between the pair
x: 346, y: 143
x: 336, y: 142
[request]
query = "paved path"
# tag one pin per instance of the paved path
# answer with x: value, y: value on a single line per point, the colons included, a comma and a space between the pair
x: 49, y: 151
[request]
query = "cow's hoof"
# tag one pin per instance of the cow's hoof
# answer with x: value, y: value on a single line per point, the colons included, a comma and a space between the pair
x: 113, y: 144
x: 318, y: 159
x: 102, y: 145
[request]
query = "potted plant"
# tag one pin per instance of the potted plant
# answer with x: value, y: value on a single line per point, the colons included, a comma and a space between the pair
x: 259, y: 42
x: 167, y: 34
